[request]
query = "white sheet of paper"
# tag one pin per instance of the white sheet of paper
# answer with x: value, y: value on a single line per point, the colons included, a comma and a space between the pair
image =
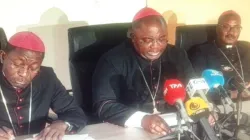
x: 171, y: 119
x: 72, y: 137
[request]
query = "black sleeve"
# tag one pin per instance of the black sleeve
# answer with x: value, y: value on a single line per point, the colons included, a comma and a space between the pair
x: 184, y: 67
x: 197, y: 59
x: 186, y: 70
x: 106, y: 93
x: 65, y: 106
x: 244, y: 50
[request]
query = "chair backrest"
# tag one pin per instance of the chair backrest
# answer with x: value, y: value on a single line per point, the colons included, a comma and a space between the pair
x: 3, y: 39
x: 86, y: 45
x: 188, y: 36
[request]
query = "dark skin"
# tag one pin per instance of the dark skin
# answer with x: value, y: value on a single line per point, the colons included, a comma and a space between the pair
x: 6, y: 133
x: 150, y: 41
x: 20, y: 66
x: 228, y: 31
x: 150, y: 38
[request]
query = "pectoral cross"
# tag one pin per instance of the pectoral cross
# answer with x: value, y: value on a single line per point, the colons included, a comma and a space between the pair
x: 155, y: 111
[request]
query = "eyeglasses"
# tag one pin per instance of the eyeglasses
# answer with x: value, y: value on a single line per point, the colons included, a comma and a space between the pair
x: 228, y: 28
x: 146, y: 41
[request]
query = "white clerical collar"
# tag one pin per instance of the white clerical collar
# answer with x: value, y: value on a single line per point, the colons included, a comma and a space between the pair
x: 229, y: 46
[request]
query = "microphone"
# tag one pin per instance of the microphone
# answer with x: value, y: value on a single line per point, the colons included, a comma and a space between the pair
x: 198, y: 110
x: 198, y: 87
x: 215, y: 80
x: 174, y: 94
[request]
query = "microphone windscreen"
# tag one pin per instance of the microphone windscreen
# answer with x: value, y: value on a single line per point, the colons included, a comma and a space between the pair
x: 174, y: 90
x: 196, y: 108
x: 213, y: 78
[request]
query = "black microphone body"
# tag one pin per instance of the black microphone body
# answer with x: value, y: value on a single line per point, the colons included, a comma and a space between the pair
x: 233, y: 83
x: 207, y: 129
x: 198, y: 110
x: 225, y: 97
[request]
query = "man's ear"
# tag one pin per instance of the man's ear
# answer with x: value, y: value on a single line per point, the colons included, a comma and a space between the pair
x: 2, y: 55
x: 132, y: 36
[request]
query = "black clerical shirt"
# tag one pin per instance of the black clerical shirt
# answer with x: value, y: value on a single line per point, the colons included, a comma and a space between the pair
x: 119, y: 89
x: 48, y: 92
x: 208, y: 56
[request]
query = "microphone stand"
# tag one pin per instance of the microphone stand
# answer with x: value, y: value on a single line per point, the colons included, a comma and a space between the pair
x: 238, y: 108
x: 181, y: 130
x: 179, y: 126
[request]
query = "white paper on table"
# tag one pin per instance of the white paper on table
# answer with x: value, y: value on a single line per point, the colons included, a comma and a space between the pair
x: 171, y: 119
x: 72, y: 137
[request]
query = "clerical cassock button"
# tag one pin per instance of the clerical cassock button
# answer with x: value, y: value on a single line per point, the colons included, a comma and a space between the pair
x: 18, y: 108
x: 21, y: 100
x: 20, y: 117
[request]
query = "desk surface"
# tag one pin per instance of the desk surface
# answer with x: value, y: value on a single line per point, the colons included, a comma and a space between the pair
x: 106, y: 131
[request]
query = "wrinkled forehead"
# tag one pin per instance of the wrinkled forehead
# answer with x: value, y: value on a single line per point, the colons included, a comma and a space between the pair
x: 149, y: 25
x: 27, y: 54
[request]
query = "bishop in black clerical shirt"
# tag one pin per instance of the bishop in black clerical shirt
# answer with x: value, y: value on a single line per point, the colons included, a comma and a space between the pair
x: 130, y: 77
x: 228, y: 55
x: 225, y: 53
x: 28, y: 90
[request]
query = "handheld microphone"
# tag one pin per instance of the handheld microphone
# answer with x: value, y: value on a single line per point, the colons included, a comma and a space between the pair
x: 216, y: 80
x: 198, y: 110
x: 198, y: 87
x: 174, y: 94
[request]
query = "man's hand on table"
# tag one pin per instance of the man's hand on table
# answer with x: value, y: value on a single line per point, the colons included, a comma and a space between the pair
x: 55, y: 131
x: 212, y: 118
x: 155, y: 124
x: 6, y: 133
x: 234, y: 93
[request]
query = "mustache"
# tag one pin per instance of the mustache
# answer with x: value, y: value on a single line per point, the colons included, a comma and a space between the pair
x: 230, y: 36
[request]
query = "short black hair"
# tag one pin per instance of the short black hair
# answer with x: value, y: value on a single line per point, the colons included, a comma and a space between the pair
x: 136, y: 24
x: 7, y: 48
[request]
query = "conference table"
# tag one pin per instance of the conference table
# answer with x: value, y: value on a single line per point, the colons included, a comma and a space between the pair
x: 107, y: 131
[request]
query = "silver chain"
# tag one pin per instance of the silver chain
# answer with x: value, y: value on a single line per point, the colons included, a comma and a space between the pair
x: 8, y: 113
x: 153, y: 96
x: 242, y: 72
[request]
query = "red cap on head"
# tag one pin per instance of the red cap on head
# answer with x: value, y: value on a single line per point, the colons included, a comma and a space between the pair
x: 174, y: 90
x: 145, y: 12
x: 27, y: 40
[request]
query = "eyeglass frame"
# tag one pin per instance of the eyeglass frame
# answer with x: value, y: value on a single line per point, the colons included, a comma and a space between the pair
x: 230, y: 27
x: 149, y: 44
